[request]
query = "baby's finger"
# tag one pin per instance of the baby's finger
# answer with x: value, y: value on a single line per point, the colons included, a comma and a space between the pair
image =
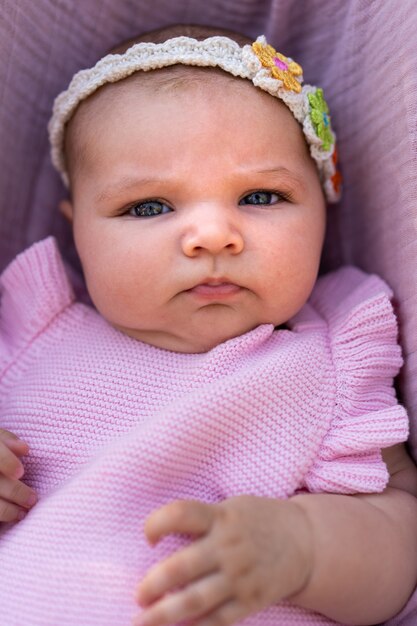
x: 9, y: 463
x: 177, y: 570
x: 10, y: 512
x: 12, y: 440
x: 17, y: 492
x: 17, y: 446
x: 189, y: 517
x: 229, y: 613
x: 196, y: 599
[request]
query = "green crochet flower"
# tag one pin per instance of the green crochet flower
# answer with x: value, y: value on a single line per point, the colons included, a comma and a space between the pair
x: 319, y: 115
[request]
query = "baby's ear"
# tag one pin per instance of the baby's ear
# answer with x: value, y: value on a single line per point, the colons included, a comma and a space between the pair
x: 66, y: 209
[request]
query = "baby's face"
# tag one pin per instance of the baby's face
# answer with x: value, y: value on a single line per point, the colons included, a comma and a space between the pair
x: 197, y: 213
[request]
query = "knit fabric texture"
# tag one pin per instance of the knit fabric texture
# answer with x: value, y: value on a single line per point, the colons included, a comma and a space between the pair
x: 117, y: 428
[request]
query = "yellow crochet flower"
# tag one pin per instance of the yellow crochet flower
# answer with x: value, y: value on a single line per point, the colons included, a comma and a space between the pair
x: 281, y: 67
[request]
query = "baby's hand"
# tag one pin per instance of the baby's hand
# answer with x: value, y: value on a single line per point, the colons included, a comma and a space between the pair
x: 251, y: 552
x: 15, y: 497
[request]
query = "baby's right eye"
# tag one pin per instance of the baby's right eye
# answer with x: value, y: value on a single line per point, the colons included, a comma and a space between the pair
x: 149, y: 208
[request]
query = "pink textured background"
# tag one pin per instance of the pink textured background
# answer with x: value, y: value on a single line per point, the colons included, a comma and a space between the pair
x: 362, y: 52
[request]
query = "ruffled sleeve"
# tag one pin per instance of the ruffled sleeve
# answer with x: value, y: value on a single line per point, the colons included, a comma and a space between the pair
x: 34, y: 288
x: 363, y: 341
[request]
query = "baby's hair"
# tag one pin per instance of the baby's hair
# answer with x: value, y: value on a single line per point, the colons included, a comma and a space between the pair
x: 195, y: 31
x: 176, y: 77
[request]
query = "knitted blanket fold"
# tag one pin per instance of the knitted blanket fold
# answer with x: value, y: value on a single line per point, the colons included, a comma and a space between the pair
x: 117, y: 428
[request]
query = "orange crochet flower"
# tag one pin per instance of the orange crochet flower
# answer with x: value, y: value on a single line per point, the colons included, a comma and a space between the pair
x: 336, y: 179
x: 281, y: 67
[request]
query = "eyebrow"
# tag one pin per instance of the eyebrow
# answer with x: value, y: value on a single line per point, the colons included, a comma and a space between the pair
x: 293, y: 176
x: 125, y: 184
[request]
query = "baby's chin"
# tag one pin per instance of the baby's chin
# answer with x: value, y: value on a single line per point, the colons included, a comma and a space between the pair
x: 191, y: 343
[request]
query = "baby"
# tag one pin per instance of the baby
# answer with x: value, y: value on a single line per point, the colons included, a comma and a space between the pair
x: 217, y: 392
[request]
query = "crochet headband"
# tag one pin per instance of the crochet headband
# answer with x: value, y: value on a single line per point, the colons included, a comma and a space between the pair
x: 268, y: 70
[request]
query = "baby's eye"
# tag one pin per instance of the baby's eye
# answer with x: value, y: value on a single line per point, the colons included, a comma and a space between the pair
x: 261, y: 197
x: 149, y: 208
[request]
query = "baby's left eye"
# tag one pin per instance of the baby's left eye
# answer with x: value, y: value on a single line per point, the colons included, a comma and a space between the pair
x: 261, y: 197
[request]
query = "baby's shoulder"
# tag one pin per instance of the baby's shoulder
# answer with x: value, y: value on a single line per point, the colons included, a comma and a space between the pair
x: 355, y: 312
x: 362, y: 326
x: 348, y: 286
x: 357, y: 316
x: 345, y: 298
x: 34, y: 289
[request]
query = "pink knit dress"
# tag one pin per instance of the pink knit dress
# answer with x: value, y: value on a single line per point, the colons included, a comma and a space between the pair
x: 117, y: 428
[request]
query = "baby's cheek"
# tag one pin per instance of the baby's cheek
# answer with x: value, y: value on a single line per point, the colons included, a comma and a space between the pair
x: 114, y: 293
x: 129, y: 299
x: 287, y: 281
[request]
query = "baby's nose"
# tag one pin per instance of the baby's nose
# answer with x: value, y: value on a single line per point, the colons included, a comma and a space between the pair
x: 215, y: 233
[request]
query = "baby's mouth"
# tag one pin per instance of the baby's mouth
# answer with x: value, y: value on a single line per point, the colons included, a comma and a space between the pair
x: 215, y: 289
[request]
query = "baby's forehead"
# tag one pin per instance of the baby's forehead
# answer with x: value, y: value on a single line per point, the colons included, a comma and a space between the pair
x: 146, y: 87
x: 195, y: 87
x: 176, y: 80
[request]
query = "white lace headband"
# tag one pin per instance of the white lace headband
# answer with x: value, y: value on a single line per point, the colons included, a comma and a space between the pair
x: 261, y: 63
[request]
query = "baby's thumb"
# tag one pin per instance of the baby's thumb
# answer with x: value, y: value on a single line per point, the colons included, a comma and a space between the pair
x: 13, y: 442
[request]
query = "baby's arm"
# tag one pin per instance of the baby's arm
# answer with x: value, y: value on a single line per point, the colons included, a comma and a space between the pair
x: 15, y: 497
x: 352, y: 558
x: 365, y: 566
